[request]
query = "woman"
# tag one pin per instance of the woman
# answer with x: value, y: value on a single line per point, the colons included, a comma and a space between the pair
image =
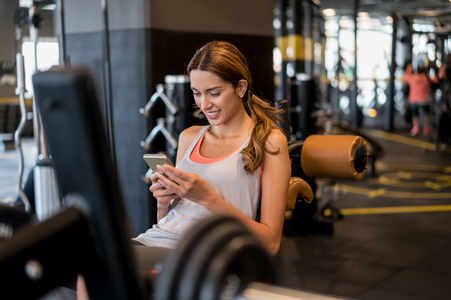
x: 419, y: 90
x: 230, y: 167
x: 219, y: 166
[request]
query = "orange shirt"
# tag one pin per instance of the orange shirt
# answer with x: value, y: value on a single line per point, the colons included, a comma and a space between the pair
x: 420, y: 86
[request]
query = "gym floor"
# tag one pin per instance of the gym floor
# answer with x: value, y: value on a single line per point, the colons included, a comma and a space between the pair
x: 393, y: 242
x: 395, y: 238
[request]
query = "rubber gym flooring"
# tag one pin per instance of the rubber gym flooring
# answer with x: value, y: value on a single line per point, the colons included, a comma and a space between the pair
x: 394, y: 240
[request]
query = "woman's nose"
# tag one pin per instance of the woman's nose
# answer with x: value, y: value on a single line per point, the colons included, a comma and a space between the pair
x: 205, y: 103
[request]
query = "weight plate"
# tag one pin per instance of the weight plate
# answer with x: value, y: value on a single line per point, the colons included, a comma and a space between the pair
x: 166, y: 286
x: 221, y: 240
x: 240, y: 262
x: 206, y: 249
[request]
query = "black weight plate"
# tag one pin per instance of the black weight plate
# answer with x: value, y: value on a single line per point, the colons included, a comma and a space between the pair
x: 240, y: 262
x: 207, y: 248
x: 168, y: 281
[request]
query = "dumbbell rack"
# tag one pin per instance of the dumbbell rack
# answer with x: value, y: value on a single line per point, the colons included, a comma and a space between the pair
x: 179, y: 114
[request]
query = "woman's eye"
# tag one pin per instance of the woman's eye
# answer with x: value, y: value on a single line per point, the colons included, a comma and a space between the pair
x: 216, y: 95
x: 196, y: 94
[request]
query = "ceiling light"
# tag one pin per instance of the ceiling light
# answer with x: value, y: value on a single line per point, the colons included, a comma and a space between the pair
x: 329, y: 12
x: 389, y: 19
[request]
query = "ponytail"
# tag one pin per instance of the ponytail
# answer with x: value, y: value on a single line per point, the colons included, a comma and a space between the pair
x: 264, y: 117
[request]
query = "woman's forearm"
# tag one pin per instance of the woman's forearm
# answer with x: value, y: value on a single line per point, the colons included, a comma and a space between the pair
x: 268, y: 237
x: 162, y: 212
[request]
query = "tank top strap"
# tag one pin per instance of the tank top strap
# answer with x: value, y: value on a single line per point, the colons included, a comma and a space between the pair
x: 193, y: 144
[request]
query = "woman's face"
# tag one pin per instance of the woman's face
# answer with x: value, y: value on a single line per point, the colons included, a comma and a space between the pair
x: 217, y: 99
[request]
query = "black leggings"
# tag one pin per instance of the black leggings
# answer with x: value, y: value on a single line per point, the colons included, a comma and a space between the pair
x: 415, y: 109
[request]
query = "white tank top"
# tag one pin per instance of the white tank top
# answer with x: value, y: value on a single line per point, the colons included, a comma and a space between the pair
x: 226, y: 177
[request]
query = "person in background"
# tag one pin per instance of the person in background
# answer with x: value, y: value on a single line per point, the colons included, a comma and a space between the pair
x: 419, y: 90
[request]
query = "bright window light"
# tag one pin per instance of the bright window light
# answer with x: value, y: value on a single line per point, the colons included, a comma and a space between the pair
x: 48, y: 56
x: 329, y: 12
x: 363, y: 15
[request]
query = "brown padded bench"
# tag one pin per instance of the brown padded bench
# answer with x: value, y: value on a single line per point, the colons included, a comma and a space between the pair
x: 327, y: 156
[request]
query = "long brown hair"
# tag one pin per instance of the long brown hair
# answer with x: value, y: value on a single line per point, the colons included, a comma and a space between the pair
x: 226, y: 61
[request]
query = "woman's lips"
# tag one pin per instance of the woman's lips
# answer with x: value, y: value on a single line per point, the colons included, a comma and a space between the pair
x: 212, y: 114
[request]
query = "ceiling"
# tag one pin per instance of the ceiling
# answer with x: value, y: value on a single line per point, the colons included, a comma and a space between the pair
x: 430, y: 11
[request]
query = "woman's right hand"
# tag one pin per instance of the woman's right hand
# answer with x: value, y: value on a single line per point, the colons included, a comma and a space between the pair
x: 160, y: 193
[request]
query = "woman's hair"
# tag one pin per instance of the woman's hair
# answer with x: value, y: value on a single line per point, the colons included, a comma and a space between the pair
x: 226, y: 61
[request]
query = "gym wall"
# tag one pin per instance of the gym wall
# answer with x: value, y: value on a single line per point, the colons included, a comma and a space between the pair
x: 151, y: 39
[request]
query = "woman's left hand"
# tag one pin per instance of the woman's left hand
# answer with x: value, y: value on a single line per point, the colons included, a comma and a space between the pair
x: 186, y: 185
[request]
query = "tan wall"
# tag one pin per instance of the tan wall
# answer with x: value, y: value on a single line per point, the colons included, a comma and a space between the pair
x: 252, y: 17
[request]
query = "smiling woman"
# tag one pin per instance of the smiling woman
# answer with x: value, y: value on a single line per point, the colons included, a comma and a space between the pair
x: 232, y: 166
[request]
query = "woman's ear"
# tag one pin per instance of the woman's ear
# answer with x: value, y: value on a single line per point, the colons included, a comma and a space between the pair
x: 242, y: 87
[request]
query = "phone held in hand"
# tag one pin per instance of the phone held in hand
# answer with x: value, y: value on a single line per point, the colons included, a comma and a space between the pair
x: 153, y: 160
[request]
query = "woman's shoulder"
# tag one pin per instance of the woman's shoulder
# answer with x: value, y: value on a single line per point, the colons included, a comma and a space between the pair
x: 189, y: 134
x: 276, y: 140
x: 185, y: 140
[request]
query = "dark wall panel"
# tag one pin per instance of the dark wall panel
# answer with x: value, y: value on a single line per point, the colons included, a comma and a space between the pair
x: 172, y: 51
x: 85, y: 50
x: 129, y: 87
x: 129, y: 93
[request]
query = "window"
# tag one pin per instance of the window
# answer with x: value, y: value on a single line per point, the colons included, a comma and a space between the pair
x: 47, y: 55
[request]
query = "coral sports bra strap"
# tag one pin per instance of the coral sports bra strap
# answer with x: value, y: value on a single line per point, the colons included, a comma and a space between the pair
x: 197, y: 158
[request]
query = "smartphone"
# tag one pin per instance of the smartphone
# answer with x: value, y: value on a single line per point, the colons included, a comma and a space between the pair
x: 153, y: 160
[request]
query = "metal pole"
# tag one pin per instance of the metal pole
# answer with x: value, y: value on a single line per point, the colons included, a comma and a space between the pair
x: 317, y: 32
x: 390, y: 104
x: 307, y: 36
x: 442, y: 49
x: 61, y: 34
x: 34, y: 39
x: 410, y: 41
x: 354, y: 109
x: 47, y: 198
x: 280, y: 41
x: 21, y: 92
x: 107, y: 83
